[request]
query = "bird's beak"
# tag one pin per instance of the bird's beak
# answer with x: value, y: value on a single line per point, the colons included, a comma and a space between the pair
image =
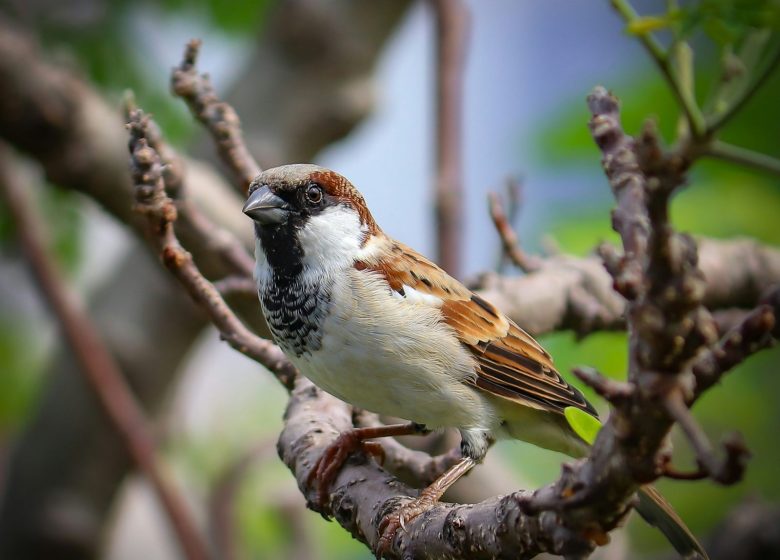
x: 264, y: 207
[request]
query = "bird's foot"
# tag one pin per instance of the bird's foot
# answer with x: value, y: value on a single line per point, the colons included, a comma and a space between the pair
x: 398, y: 519
x: 333, y: 458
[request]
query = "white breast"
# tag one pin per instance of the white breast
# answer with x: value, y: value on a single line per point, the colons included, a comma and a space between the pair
x: 378, y: 350
x: 394, y: 357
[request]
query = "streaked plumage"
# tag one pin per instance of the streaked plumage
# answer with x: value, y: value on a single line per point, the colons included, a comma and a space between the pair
x: 378, y: 325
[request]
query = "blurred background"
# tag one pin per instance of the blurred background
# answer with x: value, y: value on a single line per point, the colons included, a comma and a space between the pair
x: 349, y: 85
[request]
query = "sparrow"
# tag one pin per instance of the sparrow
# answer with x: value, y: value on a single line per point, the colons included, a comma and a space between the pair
x: 374, y: 323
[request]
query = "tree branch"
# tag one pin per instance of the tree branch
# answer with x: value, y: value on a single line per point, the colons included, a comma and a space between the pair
x: 570, y: 293
x: 743, y: 156
x: 661, y: 58
x: 363, y: 492
x: 509, y: 240
x: 758, y: 330
x: 659, y: 275
x: 78, y: 139
x: 97, y: 364
x: 452, y: 22
x: 218, y: 241
x: 218, y: 117
x: 160, y: 212
x: 718, y: 121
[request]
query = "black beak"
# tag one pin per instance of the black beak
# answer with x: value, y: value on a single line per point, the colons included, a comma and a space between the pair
x: 264, y: 207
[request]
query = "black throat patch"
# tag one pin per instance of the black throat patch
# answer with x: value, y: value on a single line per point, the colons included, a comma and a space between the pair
x: 294, y: 303
x: 282, y: 248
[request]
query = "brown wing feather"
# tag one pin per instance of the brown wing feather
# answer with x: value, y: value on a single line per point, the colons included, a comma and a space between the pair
x: 509, y: 362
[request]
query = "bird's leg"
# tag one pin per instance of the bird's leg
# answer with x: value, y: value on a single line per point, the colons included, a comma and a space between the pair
x: 425, y: 501
x: 332, y: 459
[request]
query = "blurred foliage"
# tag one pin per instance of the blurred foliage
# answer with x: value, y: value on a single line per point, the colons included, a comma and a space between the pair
x: 61, y: 213
x: 722, y: 200
x: 236, y: 16
x: 723, y: 21
x: 22, y: 364
x: 98, y: 44
x: 21, y: 353
x: 95, y: 44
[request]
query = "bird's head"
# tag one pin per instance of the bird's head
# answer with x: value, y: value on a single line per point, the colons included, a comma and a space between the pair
x: 307, y: 213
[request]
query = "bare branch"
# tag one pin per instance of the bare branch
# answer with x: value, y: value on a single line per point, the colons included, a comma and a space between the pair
x: 509, y: 239
x: 758, y: 330
x: 731, y: 469
x: 668, y: 328
x: 217, y: 241
x: 616, y: 392
x: 363, y: 492
x: 242, y: 285
x: 743, y: 156
x: 627, y: 181
x: 160, y: 212
x: 97, y: 363
x: 576, y: 293
x: 452, y: 22
x: 218, y: 117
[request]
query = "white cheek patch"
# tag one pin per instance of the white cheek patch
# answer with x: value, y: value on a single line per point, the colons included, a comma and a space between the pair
x: 331, y: 240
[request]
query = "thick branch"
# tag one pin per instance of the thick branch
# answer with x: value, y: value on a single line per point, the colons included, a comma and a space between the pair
x: 363, y: 493
x: 569, y: 293
x: 668, y: 326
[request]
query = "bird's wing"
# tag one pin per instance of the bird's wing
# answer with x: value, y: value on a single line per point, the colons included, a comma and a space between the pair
x: 509, y: 362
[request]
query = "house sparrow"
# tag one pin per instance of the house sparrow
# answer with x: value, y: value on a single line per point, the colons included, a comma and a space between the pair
x: 376, y: 324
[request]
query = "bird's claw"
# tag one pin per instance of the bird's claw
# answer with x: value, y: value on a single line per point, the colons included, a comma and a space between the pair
x: 333, y: 458
x: 388, y: 527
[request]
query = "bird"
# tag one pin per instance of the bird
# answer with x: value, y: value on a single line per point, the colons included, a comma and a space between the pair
x: 381, y: 327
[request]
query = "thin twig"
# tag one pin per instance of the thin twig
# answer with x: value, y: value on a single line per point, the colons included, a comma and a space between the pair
x: 451, y: 40
x: 219, y: 118
x: 676, y: 406
x: 236, y: 285
x: 216, y: 240
x: 661, y: 59
x: 720, y: 120
x: 509, y: 240
x: 161, y: 213
x: 98, y: 365
x: 670, y: 472
x: 758, y: 330
x: 610, y: 389
x: 742, y: 156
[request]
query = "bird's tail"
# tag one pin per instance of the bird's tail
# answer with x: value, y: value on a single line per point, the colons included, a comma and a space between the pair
x: 654, y: 509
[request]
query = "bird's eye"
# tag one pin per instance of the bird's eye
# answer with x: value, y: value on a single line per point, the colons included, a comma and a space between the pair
x: 314, y: 194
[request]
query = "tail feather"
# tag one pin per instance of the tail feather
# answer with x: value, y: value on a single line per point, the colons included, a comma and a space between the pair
x: 654, y: 509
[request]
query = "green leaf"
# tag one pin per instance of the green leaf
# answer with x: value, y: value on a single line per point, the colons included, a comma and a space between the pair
x: 648, y: 24
x: 583, y: 424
